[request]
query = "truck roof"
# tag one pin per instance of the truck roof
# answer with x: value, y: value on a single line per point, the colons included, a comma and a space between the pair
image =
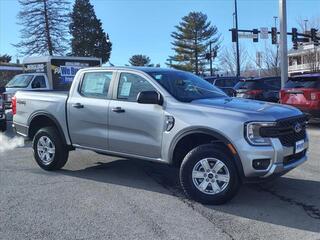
x: 141, y: 69
x: 41, y: 59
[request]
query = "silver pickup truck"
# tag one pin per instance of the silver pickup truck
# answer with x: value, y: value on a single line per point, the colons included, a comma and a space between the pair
x: 167, y: 116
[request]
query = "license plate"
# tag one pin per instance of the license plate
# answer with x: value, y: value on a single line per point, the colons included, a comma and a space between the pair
x: 299, y: 146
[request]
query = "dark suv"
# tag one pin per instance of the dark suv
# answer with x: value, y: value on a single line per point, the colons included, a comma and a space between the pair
x: 3, y: 125
x: 226, y: 84
x: 264, y: 89
x: 303, y: 92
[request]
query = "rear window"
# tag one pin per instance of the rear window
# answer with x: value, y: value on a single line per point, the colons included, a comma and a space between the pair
x: 249, y: 85
x: 303, y: 82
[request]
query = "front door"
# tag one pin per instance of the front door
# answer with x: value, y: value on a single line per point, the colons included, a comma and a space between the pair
x: 135, y: 128
x: 88, y: 111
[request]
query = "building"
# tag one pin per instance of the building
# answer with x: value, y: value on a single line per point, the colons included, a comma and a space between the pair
x: 305, y: 59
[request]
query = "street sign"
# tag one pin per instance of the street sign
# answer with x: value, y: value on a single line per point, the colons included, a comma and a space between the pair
x: 264, y: 33
x: 245, y: 35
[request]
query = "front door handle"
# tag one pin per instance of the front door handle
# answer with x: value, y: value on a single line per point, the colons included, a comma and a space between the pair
x: 77, y: 105
x: 118, y: 110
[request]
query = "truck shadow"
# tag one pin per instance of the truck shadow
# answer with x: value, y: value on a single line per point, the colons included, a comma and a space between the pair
x: 293, y: 203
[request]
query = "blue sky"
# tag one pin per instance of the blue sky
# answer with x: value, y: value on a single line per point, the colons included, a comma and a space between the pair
x: 144, y: 26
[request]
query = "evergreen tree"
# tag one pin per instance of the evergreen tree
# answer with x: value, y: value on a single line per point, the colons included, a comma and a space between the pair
x: 190, y: 42
x: 88, y: 37
x: 139, y: 60
x: 44, y: 26
x: 5, y: 58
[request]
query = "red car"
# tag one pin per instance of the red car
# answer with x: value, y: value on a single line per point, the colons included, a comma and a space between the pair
x: 303, y: 92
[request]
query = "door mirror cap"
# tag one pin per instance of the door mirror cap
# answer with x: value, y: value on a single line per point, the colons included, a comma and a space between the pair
x: 150, y: 97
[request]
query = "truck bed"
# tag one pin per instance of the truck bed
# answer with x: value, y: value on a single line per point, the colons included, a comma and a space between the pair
x: 31, y: 103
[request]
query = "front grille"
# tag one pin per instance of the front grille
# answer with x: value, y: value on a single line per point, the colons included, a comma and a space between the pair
x: 285, y: 130
x: 291, y: 137
x: 294, y: 157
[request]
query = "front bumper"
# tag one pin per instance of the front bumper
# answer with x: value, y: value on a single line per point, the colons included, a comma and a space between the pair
x: 282, y: 159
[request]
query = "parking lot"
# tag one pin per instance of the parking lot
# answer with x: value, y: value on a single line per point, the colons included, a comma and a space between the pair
x: 99, y: 197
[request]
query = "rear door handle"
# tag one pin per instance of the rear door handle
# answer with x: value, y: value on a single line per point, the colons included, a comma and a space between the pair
x: 77, y: 105
x: 118, y: 110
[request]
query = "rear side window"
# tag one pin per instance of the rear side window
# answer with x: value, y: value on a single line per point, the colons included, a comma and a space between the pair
x: 220, y: 83
x: 96, y: 84
x: 130, y: 85
x: 39, y: 82
x: 274, y: 83
x: 303, y: 82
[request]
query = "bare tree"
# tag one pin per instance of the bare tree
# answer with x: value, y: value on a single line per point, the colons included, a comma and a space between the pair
x: 228, y: 59
x: 310, y: 58
x: 44, y: 26
x: 305, y: 24
x: 271, y: 60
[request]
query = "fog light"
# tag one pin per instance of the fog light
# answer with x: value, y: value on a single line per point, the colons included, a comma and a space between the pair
x: 261, y: 164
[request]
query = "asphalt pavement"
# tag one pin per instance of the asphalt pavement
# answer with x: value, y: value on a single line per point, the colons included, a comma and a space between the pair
x: 99, y: 197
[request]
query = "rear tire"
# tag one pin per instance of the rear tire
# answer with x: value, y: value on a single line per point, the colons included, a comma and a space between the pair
x: 214, y: 183
x: 49, y: 150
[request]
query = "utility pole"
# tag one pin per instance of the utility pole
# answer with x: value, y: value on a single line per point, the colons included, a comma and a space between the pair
x: 210, y: 49
x: 283, y: 42
x: 305, y: 25
x: 275, y: 21
x: 237, y: 37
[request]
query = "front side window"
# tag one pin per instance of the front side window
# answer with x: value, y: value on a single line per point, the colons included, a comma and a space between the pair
x: 186, y: 87
x: 96, y: 84
x: 130, y: 85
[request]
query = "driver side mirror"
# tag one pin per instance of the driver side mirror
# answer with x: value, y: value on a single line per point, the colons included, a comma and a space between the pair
x: 150, y: 97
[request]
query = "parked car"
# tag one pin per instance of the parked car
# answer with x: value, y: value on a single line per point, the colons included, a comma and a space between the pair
x: 47, y: 73
x: 226, y: 84
x: 3, y: 124
x: 263, y: 89
x: 167, y: 116
x: 303, y: 92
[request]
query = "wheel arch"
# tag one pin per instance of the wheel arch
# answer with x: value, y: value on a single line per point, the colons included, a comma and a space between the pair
x: 211, y: 136
x: 42, y: 119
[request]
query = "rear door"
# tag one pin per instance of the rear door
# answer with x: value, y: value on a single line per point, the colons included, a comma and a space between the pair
x: 88, y: 110
x: 135, y: 128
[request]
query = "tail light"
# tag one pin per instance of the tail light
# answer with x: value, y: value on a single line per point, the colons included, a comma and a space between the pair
x: 282, y: 93
x: 253, y: 92
x: 314, y: 95
x: 14, y: 105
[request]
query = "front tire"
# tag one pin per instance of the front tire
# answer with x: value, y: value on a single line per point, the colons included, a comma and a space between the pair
x: 48, y: 149
x: 208, y: 175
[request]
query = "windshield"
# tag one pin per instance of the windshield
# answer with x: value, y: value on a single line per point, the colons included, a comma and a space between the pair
x: 186, y: 87
x: 303, y: 82
x: 19, y: 81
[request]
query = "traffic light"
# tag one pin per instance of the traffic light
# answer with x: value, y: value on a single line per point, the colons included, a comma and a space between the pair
x: 295, y: 45
x: 274, y: 36
x: 208, y: 56
x: 234, y: 34
x: 214, y: 53
x: 294, y: 35
x: 255, y: 35
x: 313, y: 34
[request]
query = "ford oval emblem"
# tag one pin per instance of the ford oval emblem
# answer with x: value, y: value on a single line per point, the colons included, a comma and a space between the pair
x: 298, y: 128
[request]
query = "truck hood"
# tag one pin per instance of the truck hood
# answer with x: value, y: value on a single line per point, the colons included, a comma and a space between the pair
x: 250, y: 107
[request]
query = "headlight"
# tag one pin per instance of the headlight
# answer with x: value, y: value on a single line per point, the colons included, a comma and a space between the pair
x: 252, y: 133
